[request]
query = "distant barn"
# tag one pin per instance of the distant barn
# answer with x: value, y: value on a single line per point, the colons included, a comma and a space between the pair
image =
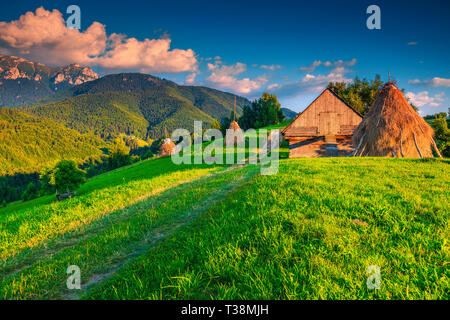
x: 323, y: 129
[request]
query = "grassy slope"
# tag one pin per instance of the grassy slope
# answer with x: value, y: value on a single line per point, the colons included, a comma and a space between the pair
x: 30, y: 225
x: 314, y: 229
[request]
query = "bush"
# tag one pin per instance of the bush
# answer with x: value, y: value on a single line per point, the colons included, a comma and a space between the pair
x: 31, y: 192
x: 119, y: 155
x: 147, y: 155
x: 442, y: 134
x: 4, y: 204
x: 156, y: 145
x: 47, y: 181
x: 67, y: 175
x: 263, y: 112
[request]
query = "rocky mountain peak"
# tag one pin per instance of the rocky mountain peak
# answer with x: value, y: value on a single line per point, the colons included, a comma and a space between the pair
x: 23, y: 81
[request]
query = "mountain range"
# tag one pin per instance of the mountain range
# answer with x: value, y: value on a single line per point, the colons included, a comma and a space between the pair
x: 70, y: 112
x: 288, y: 113
x: 57, y: 112
x: 23, y: 81
x: 135, y: 104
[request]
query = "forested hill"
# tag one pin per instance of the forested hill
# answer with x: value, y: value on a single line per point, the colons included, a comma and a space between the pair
x: 138, y: 104
x: 28, y: 143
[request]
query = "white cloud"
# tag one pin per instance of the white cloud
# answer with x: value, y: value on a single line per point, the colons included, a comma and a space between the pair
x: 273, y: 86
x: 225, y: 77
x: 190, y: 78
x: 434, y: 82
x: 312, y: 67
x: 310, y: 83
x: 43, y: 36
x: 440, y: 82
x: 412, y: 43
x: 271, y: 67
x: 423, y: 99
x: 336, y: 64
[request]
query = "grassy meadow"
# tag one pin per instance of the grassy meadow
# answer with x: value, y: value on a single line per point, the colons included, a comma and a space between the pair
x: 155, y: 230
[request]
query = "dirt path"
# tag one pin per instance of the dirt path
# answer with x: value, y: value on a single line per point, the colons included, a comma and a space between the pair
x: 155, y: 236
x: 28, y: 257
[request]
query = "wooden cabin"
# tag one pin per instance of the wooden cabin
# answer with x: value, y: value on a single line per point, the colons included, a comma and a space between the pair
x: 323, y: 129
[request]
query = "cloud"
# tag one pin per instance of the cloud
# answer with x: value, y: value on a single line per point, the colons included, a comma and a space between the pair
x: 336, y: 64
x: 190, y: 78
x: 43, y: 36
x: 225, y: 77
x: 423, y: 99
x: 434, y: 82
x: 413, y: 43
x: 271, y: 67
x: 310, y: 83
x: 440, y: 82
x: 312, y: 67
x: 273, y: 86
x: 217, y: 59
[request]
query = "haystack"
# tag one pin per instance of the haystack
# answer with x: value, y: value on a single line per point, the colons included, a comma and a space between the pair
x: 234, y: 135
x: 237, y: 135
x: 234, y: 125
x: 392, y: 128
x: 167, y: 147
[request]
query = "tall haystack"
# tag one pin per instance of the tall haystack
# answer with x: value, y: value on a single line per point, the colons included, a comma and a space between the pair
x: 392, y: 128
x: 236, y: 137
x: 234, y: 134
x: 167, y: 147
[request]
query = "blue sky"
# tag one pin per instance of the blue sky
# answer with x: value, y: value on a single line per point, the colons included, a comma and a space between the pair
x: 289, y: 48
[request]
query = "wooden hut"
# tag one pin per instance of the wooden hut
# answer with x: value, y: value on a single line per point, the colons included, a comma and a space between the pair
x: 392, y: 128
x: 323, y: 129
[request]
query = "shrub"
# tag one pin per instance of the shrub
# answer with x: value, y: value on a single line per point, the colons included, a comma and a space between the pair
x: 31, y: 192
x: 442, y: 134
x: 119, y: 155
x: 67, y: 175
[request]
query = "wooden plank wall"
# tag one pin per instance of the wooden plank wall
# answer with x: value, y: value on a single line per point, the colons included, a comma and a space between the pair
x: 327, y: 113
x: 317, y: 147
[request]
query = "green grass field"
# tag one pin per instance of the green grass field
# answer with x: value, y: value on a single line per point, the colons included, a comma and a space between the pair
x: 155, y: 230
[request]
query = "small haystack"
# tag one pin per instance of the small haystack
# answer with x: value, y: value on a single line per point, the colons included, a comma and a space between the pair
x: 234, y: 125
x: 392, y: 128
x: 167, y: 147
x: 236, y: 137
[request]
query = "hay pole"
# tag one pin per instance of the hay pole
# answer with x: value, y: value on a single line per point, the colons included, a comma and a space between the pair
x: 359, y: 145
x: 433, y: 143
x: 417, y: 147
x: 401, y: 145
x: 362, y: 150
